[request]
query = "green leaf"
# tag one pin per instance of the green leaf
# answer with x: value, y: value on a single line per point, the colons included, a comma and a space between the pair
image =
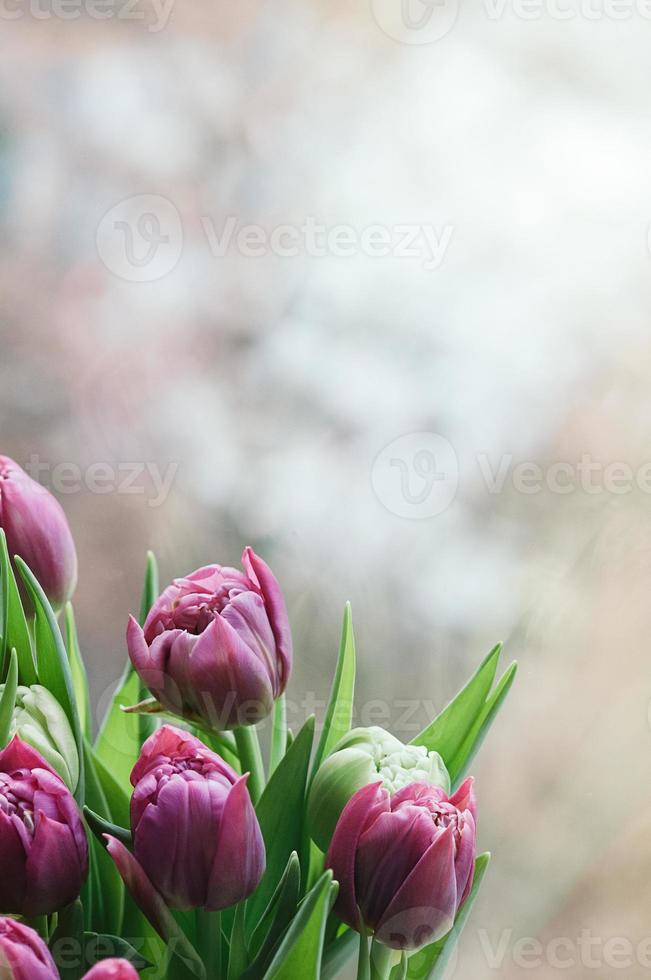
x: 15, y: 632
x: 107, y: 889
x: 275, y: 920
x: 430, y: 963
x: 53, y: 665
x: 150, y: 589
x: 117, y: 797
x: 78, y: 672
x: 477, y: 734
x: 103, y: 947
x: 100, y: 826
x: 339, y: 713
x: 8, y: 700
x: 338, y: 953
x: 299, y: 954
x: 238, y: 954
x: 449, y: 730
x: 281, y: 816
x: 278, y: 733
x: 68, y: 936
x: 118, y: 742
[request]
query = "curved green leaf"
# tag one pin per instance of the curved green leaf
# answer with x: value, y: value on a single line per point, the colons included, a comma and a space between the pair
x: 339, y: 713
x: 299, y: 954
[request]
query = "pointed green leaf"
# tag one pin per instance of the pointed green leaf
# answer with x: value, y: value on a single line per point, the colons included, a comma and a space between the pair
x: 430, y: 963
x: 78, y: 672
x: 339, y: 713
x: 150, y: 588
x: 52, y: 659
x: 8, y: 700
x: 462, y: 760
x: 278, y: 733
x: 281, y: 815
x: 117, y: 796
x: 107, y: 886
x: 238, y: 957
x: 118, y: 741
x: 447, y: 733
x: 15, y: 632
x: 275, y: 920
x: 299, y: 954
x: 100, y: 826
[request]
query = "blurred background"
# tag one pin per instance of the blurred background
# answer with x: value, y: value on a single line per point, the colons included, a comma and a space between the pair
x: 367, y: 287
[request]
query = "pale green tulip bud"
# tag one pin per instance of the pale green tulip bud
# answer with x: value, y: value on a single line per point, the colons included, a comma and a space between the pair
x: 364, y: 756
x: 40, y: 721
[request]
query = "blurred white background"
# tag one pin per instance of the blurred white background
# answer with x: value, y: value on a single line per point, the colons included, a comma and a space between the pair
x: 464, y: 206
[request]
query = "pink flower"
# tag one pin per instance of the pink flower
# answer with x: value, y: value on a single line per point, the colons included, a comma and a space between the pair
x: 196, y: 837
x: 37, y: 531
x: 216, y: 645
x: 405, y: 861
x: 112, y: 970
x: 23, y: 954
x: 43, y: 846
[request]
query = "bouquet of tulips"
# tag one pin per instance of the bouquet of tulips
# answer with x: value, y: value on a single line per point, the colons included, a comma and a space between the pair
x: 165, y: 845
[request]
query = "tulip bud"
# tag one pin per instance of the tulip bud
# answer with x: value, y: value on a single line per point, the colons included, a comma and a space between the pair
x: 195, y: 832
x: 23, y: 954
x: 216, y: 646
x: 40, y: 721
x: 367, y: 755
x: 37, y: 531
x: 405, y: 863
x: 43, y: 847
x: 112, y: 970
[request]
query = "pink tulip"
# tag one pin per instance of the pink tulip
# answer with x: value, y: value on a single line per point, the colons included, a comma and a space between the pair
x: 112, y: 970
x: 216, y: 645
x: 43, y: 847
x: 37, y: 531
x: 406, y: 862
x: 23, y: 954
x: 195, y: 833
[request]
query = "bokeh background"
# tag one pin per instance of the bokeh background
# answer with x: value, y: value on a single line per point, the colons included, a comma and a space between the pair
x: 358, y: 418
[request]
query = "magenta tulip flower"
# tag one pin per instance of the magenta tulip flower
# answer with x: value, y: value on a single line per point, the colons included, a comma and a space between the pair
x: 216, y: 645
x: 43, y: 847
x: 404, y: 862
x: 112, y: 970
x: 23, y: 954
x: 195, y: 833
x: 38, y: 532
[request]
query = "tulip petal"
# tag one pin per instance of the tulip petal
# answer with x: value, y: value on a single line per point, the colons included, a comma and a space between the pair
x: 54, y: 874
x: 112, y: 970
x: 148, y: 900
x: 465, y: 860
x: 260, y: 573
x: 12, y: 863
x: 23, y: 954
x: 424, y: 908
x: 359, y: 813
x: 247, y: 614
x: 464, y: 798
x: 239, y: 861
x: 231, y: 682
x: 19, y: 755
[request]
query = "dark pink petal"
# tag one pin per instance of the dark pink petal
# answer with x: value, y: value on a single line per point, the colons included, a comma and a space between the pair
x: 148, y: 900
x: 239, y: 861
x: 12, y: 866
x: 465, y: 860
x: 112, y: 970
x: 386, y: 855
x: 247, y: 614
x: 228, y: 678
x: 464, y: 798
x: 19, y: 755
x: 424, y: 908
x: 358, y: 814
x: 23, y: 954
x: 54, y: 873
x: 261, y: 574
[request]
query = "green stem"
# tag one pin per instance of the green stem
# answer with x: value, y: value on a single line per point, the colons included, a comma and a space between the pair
x: 278, y: 733
x: 248, y: 748
x: 363, y: 960
x: 210, y: 937
x: 382, y: 961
